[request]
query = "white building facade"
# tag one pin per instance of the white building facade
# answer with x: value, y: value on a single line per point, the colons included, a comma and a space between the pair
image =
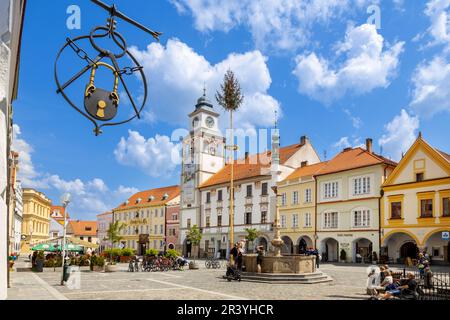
x: 203, y: 155
x: 254, y: 198
x: 18, y: 218
x: 103, y: 222
x: 11, y: 16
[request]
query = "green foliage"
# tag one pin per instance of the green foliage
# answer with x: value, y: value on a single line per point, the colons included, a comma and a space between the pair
x: 97, y: 261
x: 151, y: 252
x: 252, y: 234
x: 114, y: 253
x: 127, y: 252
x: 172, y: 253
x: 194, y: 235
x: 113, y: 232
x: 41, y: 255
x: 229, y: 96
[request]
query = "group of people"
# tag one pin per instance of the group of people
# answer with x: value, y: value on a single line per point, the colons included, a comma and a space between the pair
x: 383, y: 286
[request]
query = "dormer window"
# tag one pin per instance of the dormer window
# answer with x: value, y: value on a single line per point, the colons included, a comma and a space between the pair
x: 151, y: 198
x: 88, y: 229
x: 419, y: 177
x: 127, y: 202
x: 138, y: 200
x: 166, y: 196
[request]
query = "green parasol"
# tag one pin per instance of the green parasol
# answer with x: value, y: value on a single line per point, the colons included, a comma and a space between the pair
x: 45, y: 247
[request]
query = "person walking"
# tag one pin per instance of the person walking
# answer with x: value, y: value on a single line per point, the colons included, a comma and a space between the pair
x: 259, y: 258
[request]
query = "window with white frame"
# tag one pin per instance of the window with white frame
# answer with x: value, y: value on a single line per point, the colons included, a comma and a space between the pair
x: 295, y: 197
x: 308, y: 196
x: 283, y: 221
x: 361, y: 185
x: 330, y: 190
x: 361, y: 218
x: 283, y: 199
x: 295, y: 220
x: 308, y: 220
x: 330, y: 220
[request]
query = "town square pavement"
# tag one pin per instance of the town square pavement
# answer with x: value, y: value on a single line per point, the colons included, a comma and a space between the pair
x: 349, y: 283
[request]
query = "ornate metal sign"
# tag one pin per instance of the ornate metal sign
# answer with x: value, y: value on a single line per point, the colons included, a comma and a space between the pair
x: 102, y: 105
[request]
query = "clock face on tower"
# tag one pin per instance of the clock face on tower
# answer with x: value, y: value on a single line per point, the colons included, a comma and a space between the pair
x: 210, y: 122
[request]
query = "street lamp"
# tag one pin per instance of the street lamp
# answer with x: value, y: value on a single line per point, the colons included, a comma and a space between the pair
x: 65, y: 200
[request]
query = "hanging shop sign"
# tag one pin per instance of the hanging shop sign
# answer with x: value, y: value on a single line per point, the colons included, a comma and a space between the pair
x: 102, y: 106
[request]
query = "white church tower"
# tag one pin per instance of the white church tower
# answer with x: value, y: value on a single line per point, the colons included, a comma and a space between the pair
x: 203, y: 156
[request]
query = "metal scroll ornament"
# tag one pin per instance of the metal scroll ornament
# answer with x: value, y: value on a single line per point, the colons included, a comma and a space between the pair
x: 101, y: 105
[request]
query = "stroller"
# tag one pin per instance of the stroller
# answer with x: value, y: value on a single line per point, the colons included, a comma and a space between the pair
x: 233, y: 274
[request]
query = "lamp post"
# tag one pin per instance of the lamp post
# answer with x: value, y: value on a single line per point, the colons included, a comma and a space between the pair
x: 65, y: 200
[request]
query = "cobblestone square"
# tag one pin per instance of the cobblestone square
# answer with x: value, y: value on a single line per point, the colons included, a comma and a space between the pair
x: 348, y: 284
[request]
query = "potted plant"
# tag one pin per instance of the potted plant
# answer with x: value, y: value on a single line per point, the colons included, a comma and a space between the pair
x: 12, y: 258
x: 151, y: 252
x: 125, y: 255
x: 172, y: 253
x: 97, y: 263
x: 113, y: 236
x: 194, y: 236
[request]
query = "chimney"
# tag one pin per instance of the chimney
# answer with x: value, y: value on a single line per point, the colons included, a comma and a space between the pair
x: 369, y: 145
x: 304, y: 164
x: 303, y: 140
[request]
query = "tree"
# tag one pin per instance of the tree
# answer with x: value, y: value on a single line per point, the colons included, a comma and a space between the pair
x: 194, y: 235
x: 113, y: 234
x: 230, y: 98
x: 252, y: 235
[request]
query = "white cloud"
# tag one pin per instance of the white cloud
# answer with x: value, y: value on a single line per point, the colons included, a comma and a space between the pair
x: 154, y: 156
x: 177, y: 75
x: 369, y: 64
x: 342, y: 143
x: 431, y: 94
x: 274, y: 24
x: 399, y: 135
x: 88, y: 198
x: 438, y: 12
x: 356, y: 121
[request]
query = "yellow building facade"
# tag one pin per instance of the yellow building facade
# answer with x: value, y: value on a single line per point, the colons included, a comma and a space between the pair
x: 297, y: 206
x: 36, y: 218
x: 144, y: 218
x: 415, y: 209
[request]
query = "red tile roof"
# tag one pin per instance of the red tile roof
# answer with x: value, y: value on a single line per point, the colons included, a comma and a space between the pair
x: 83, y: 228
x: 145, y: 197
x: 444, y: 154
x: 255, y: 166
x: 307, y: 171
x: 353, y: 159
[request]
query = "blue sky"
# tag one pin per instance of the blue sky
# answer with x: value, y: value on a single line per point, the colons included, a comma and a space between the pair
x: 329, y: 73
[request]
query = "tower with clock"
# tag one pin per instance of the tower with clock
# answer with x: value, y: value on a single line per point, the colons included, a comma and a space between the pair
x: 203, y: 156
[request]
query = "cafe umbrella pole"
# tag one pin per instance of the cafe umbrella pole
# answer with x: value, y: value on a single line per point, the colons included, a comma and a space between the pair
x: 65, y: 202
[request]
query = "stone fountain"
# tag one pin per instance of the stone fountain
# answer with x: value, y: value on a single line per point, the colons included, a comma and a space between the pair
x: 277, y: 268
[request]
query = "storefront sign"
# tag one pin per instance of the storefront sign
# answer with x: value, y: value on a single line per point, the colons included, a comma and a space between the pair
x: 445, y: 235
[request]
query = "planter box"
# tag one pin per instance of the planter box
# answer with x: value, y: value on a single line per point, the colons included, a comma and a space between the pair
x: 193, y: 266
x: 111, y: 268
x: 124, y: 259
x: 98, y: 269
